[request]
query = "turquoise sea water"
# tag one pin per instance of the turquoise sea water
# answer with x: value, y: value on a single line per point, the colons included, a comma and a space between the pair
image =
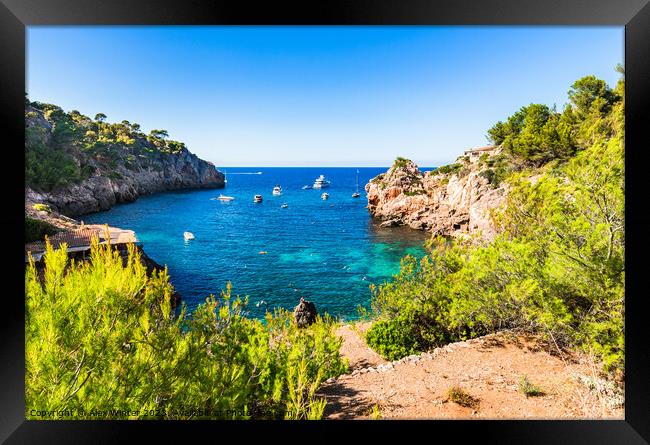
x: 328, y: 251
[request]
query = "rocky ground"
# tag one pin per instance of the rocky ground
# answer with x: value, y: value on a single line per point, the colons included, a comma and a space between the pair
x: 489, y: 369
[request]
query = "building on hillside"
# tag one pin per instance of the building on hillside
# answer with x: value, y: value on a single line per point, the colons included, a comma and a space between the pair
x: 79, y: 240
x: 476, y: 153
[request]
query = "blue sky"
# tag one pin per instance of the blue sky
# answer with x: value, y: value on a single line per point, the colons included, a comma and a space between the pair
x: 319, y: 96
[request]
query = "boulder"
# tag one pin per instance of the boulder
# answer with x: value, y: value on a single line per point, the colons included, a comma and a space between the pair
x: 305, y: 313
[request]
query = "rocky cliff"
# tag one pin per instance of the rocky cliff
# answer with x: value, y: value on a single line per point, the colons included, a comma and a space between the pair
x: 108, y: 163
x: 449, y: 201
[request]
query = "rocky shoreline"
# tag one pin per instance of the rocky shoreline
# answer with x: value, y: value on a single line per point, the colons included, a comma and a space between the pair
x: 454, y: 203
x: 120, y: 173
x: 99, y: 193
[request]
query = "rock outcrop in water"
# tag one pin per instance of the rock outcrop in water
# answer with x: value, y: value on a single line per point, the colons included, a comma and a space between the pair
x: 451, y: 201
x: 106, y: 166
x: 305, y: 313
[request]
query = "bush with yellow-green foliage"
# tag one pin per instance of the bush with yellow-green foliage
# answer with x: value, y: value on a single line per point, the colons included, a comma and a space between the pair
x: 556, y: 268
x: 102, y: 335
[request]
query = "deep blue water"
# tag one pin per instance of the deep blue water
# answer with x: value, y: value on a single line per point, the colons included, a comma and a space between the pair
x: 326, y: 251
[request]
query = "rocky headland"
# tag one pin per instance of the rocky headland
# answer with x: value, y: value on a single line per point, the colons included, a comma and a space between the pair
x: 450, y: 201
x: 113, y: 169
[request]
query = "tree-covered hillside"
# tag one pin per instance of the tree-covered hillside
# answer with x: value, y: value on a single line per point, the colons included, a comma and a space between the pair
x: 557, y: 266
x: 65, y: 148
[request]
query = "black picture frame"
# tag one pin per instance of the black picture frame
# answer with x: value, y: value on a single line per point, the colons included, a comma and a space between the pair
x: 15, y: 15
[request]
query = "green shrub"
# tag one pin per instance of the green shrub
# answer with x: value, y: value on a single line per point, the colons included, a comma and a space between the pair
x: 448, y: 169
x: 101, y: 335
x: 458, y: 395
x: 35, y: 229
x: 401, y: 162
x: 47, y: 168
x: 114, y: 175
x: 375, y: 412
x: 415, y: 192
x: 528, y: 389
x: 87, y: 171
x: 392, y: 339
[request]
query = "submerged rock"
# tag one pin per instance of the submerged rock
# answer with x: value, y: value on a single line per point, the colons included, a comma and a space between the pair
x: 305, y: 313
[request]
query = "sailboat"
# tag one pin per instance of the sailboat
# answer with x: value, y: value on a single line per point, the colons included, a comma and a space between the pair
x: 356, y: 194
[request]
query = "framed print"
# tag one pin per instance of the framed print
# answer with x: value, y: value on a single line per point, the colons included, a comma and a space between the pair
x: 427, y: 212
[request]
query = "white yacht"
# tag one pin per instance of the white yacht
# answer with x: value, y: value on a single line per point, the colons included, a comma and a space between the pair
x: 321, y: 182
x: 188, y: 236
x: 324, y: 196
x: 277, y: 190
x: 225, y: 198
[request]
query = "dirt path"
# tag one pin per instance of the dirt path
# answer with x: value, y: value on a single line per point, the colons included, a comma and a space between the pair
x: 488, y: 368
x: 354, y: 347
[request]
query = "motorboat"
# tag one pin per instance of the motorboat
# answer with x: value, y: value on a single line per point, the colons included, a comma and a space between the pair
x: 285, y: 205
x: 225, y: 198
x: 188, y: 236
x: 321, y: 182
x: 277, y: 190
x: 325, y: 195
x: 257, y: 198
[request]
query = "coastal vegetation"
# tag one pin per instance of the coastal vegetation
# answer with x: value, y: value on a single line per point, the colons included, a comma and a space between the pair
x: 77, y: 146
x: 445, y: 169
x: 103, y: 342
x: 458, y: 395
x: 556, y: 267
x: 36, y: 229
x: 529, y: 389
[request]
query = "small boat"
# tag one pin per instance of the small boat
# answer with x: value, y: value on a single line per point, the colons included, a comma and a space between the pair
x: 307, y: 187
x: 263, y: 252
x: 257, y: 198
x: 285, y: 205
x: 188, y: 235
x: 225, y: 198
x: 321, y: 182
x: 277, y: 190
x: 324, y: 196
x: 356, y: 194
